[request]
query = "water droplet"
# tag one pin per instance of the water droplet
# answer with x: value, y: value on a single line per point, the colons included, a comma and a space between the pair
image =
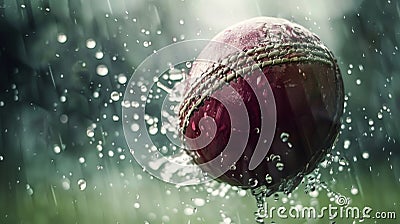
x: 314, y: 193
x: 253, y: 182
x: 1, y: 158
x: 99, y: 55
x: 342, y: 161
x: 346, y: 144
x: 57, y: 149
x: 284, y: 136
x: 153, y: 130
x: 380, y: 115
x: 96, y: 94
x: 29, y: 190
x: 115, y: 118
x: 268, y: 178
x: 63, y: 99
x: 365, y: 155
x: 143, y: 89
x: 122, y: 79
x: 199, y: 202
x: 90, y: 43
x: 62, y: 38
x: 136, y: 205
x: 102, y: 70
x: 115, y: 96
x: 63, y: 118
x: 279, y: 166
x: 189, y: 211
x: 90, y: 131
x: 358, y: 82
x: 66, y: 184
x: 82, y: 184
x: 135, y: 127
x: 81, y: 160
x: 354, y: 191
x: 175, y: 76
x: 111, y: 153
x: 181, y: 22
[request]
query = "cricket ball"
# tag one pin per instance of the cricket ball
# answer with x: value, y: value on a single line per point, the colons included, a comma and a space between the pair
x: 307, y: 91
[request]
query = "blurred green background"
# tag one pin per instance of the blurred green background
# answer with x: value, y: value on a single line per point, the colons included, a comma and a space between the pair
x: 63, y: 64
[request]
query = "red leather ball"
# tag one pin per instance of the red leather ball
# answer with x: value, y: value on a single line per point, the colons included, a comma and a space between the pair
x: 308, y: 95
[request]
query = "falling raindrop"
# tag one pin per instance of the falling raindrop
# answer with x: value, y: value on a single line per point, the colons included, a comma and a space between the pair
x: 63, y: 118
x: 135, y: 127
x: 354, y: 191
x: 66, y: 184
x: 102, y: 70
x: 279, y: 166
x: 346, y: 144
x: 268, y: 178
x: 90, y: 132
x: 284, y: 136
x: 82, y: 184
x: 189, y: 211
x: 314, y: 193
x: 29, y: 190
x: 153, y: 130
x: 253, y: 182
x: 90, y: 43
x: 96, y: 94
x: 81, y: 160
x: 62, y: 38
x: 63, y: 99
x: 199, y: 202
x: 115, y: 96
x: 111, y: 153
x: 57, y: 149
x: 122, y: 78
x: 115, y: 118
x: 99, y: 55
x: 380, y: 115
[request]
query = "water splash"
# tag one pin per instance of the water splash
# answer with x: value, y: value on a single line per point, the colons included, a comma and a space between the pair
x: 260, y: 194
